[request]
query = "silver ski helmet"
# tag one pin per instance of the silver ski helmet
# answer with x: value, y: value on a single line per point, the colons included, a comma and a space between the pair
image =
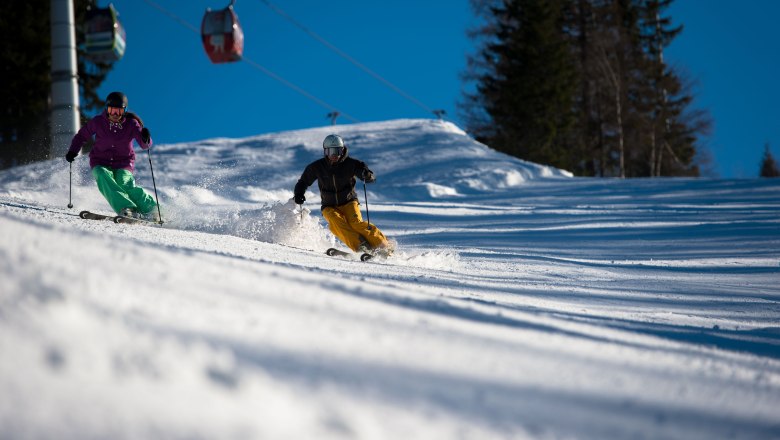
x: 333, y: 145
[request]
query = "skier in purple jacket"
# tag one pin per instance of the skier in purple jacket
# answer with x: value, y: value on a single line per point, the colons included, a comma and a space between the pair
x: 112, y: 157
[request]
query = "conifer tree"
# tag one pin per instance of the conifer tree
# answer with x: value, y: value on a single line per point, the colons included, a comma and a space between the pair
x: 769, y: 166
x: 582, y: 85
x: 668, y: 139
x: 26, y: 70
x: 26, y: 67
x: 526, y: 83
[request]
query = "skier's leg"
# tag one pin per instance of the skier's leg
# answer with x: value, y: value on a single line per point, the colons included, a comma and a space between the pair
x: 142, y: 199
x: 340, y: 228
x: 372, y: 234
x: 111, y: 190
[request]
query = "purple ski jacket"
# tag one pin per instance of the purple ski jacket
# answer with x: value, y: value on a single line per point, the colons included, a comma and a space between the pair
x: 113, y: 146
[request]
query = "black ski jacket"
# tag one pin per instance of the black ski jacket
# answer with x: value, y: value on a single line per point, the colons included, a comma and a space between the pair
x: 336, y: 182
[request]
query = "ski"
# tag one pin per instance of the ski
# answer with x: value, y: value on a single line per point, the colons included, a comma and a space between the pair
x: 365, y: 256
x: 382, y: 254
x: 333, y: 252
x: 115, y: 218
x: 93, y: 216
x: 133, y: 221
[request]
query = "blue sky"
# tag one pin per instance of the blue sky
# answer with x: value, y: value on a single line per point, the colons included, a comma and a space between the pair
x: 732, y: 51
x: 420, y: 47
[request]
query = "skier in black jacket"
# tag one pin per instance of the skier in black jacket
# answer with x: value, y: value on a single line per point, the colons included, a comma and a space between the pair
x: 335, y: 175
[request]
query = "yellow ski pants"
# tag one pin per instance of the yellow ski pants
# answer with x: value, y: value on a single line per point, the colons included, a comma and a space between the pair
x: 346, y: 223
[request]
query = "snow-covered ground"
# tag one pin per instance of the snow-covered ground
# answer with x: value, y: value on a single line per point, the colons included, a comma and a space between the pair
x: 522, y: 303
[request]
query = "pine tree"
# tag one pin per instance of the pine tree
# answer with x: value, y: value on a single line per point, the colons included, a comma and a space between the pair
x: 769, y: 166
x: 582, y: 85
x: 24, y: 95
x: 26, y: 68
x: 91, y: 73
x: 668, y: 139
x: 525, y: 83
x: 613, y: 48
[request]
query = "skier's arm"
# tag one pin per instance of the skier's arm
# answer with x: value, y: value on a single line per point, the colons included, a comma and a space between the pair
x: 365, y: 174
x: 84, y: 134
x: 141, y: 134
x: 307, y: 178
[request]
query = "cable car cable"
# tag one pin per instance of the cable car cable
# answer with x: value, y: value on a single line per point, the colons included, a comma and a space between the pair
x: 256, y: 65
x: 171, y: 15
x: 344, y: 55
x: 298, y: 89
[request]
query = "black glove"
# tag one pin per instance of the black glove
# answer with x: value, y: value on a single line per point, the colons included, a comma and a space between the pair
x: 145, y: 135
x: 69, y: 156
x: 299, y: 199
x: 368, y: 176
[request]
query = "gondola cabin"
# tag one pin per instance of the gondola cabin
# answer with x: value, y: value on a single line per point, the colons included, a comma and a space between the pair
x: 104, y: 36
x: 222, y: 36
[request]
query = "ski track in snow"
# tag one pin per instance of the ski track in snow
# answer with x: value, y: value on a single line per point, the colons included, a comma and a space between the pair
x: 522, y: 302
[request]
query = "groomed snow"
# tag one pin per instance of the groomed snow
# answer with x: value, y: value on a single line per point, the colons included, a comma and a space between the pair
x: 522, y: 303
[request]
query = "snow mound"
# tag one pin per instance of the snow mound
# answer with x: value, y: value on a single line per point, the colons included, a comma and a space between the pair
x: 403, y: 153
x: 242, y: 187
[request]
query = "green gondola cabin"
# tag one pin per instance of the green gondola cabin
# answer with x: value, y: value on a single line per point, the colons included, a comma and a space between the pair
x: 105, y: 38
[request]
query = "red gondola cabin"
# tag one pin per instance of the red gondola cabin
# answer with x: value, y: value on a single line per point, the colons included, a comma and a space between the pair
x: 222, y: 36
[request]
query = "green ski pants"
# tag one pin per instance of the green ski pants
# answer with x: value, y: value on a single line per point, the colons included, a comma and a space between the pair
x: 118, y: 187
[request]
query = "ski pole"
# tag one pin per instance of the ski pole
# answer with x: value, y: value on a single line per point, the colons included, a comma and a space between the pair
x: 365, y: 195
x: 70, y: 187
x: 151, y: 169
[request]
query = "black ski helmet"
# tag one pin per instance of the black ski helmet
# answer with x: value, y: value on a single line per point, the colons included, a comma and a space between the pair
x: 116, y: 99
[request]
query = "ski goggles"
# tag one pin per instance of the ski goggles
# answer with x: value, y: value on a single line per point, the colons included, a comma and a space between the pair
x: 333, y: 151
x: 119, y: 111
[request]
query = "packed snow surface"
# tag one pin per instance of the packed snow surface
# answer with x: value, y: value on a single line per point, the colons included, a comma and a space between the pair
x: 521, y: 303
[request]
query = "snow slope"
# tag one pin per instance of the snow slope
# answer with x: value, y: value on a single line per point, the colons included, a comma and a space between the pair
x: 523, y: 303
